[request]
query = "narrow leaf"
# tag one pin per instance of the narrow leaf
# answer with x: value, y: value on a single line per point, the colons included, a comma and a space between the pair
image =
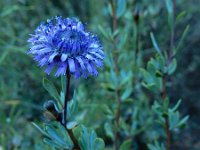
x: 51, y: 143
x: 182, y: 38
x: 121, y: 7
x: 48, y: 85
x: 172, y: 67
x: 54, y: 136
x: 177, y: 105
x: 41, y: 130
x: 155, y: 43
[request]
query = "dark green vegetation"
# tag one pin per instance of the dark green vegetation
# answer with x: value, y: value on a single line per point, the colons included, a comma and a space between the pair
x: 126, y: 80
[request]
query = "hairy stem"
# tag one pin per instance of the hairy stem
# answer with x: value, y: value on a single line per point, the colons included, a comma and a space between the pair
x: 70, y: 132
x: 117, y: 92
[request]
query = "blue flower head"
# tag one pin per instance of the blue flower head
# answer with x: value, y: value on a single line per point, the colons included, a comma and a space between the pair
x: 64, y: 44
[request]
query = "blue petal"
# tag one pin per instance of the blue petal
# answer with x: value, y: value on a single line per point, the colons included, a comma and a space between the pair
x: 78, y: 69
x: 49, y: 68
x: 36, y: 47
x: 64, y: 57
x: 61, y: 70
x: 52, y: 57
x: 82, y: 66
x: 98, y: 62
x: 91, y: 69
x: 43, y: 51
x: 80, y: 26
x: 71, y: 65
x: 97, y: 55
x: 51, y: 45
x: 81, y: 62
x: 43, y: 61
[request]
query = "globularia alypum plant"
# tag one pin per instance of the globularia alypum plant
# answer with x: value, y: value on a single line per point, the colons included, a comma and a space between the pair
x: 64, y: 47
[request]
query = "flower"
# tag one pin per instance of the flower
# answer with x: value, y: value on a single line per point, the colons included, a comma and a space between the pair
x: 65, y: 45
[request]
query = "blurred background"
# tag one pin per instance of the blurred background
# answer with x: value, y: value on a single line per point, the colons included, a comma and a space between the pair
x: 22, y: 94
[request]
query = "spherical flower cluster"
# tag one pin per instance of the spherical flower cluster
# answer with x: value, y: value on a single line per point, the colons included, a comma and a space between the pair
x: 65, y: 45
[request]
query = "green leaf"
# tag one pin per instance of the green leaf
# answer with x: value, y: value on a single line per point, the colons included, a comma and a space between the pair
x: 155, y: 43
x: 54, y: 136
x: 177, y: 105
x: 173, y: 119
x: 156, y: 146
x: 52, y: 143
x: 63, y: 83
x: 147, y: 77
x: 125, y: 77
x: 99, y: 144
x: 72, y: 106
x: 108, y: 87
x: 48, y: 85
x: 122, y: 40
x: 110, y: 9
x: 3, y: 56
x: 116, y: 33
x: 182, y: 39
x: 109, y: 130
x: 77, y: 131
x: 169, y: 6
x: 183, y: 121
x: 9, y: 10
x: 113, y: 78
x: 104, y: 32
x: 180, y: 16
x: 41, y: 130
x: 84, y: 139
x: 89, y: 141
x: 107, y: 110
x: 158, y: 73
x: 127, y: 92
x: 149, y: 86
x: 93, y: 136
x: 172, y: 67
x: 65, y: 136
x: 126, y: 145
x: 121, y: 7
x: 71, y: 125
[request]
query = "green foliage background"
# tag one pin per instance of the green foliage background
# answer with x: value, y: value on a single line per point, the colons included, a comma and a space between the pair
x: 22, y: 94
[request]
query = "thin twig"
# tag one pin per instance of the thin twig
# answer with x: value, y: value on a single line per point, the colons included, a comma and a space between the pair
x: 137, y: 40
x: 164, y: 92
x: 167, y: 130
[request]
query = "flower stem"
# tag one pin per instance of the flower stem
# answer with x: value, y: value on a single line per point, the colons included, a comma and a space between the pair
x: 70, y: 132
x: 66, y: 96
